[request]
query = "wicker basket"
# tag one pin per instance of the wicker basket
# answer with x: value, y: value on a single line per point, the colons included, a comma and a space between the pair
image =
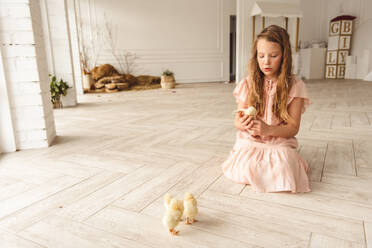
x: 167, y: 82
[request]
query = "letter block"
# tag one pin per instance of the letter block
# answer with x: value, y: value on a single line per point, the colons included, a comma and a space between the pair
x: 339, y: 44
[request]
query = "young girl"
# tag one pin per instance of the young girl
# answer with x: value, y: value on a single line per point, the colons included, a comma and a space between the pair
x: 264, y: 154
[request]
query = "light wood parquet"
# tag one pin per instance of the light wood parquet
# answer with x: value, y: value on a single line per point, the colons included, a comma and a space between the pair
x: 102, y: 181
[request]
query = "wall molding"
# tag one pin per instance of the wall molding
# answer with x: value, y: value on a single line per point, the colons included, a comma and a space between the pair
x: 219, y: 33
x: 143, y: 57
x: 219, y: 76
x: 157, y: 61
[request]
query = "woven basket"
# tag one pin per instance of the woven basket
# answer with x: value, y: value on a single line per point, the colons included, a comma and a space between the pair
x: 167, y: 82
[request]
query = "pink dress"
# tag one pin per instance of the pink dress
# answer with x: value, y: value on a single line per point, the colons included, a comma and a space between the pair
x: 268, y: 164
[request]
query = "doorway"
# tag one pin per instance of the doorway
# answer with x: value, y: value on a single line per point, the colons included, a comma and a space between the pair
x: 232, y: 48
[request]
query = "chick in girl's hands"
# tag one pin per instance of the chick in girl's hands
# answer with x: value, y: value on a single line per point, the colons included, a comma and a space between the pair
x: 172, y: 217
x: 191, y: 208
x: 249, y: 111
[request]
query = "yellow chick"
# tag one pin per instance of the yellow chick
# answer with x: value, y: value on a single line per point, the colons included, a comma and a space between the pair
x: 167, y: 201
x: 249, y: 111
x: 172, y: 217
x: 191, y: 208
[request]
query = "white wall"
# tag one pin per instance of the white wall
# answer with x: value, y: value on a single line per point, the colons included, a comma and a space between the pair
x: 189, y: 37
x: 314, y: 26
x: 318, y: 14
x: 244, y: 31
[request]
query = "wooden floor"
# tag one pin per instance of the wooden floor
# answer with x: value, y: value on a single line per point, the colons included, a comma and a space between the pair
x: 101, y: 183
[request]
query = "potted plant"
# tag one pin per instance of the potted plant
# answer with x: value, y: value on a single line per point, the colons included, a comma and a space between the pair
x: 167, y: 80
x: 57, y: 89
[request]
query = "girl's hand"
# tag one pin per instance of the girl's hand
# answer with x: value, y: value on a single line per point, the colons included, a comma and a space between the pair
x: 243, y: 122
x: 258, y: 128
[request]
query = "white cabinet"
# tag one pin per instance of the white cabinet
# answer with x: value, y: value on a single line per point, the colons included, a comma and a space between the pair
x: 312, y: 63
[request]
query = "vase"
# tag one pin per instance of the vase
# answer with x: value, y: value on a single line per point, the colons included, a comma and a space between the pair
x: 57, y: 104
x: 87, y: 82
x: 167, y: 82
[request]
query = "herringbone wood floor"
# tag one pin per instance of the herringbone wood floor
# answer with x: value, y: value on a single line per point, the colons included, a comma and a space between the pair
x: 101, y: 183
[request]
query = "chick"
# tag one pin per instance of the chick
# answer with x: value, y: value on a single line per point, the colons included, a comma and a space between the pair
x: 167, y: 200
x: 191, y: 208
x: 172, y: 217
x: 249, y: 111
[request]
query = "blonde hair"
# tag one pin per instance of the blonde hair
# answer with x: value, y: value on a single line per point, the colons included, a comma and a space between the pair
x: 278, y: 35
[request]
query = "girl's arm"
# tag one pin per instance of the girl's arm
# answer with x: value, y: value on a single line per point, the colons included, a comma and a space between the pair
x: 258, y: 127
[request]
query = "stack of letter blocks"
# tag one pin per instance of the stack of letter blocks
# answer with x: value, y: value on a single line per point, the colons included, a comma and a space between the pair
x: 339, y: 39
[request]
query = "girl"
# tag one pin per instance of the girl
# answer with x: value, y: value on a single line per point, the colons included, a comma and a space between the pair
x: 264, y: 154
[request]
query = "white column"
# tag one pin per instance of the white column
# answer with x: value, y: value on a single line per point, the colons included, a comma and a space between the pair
x: 26, y: 98
x: 243, y: 37
x: 7, y: 138
x: 74, y: 43
x: 57, y: 38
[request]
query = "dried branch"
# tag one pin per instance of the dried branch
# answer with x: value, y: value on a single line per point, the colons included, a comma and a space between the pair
x: 89, y: 53
x: 126, y: 60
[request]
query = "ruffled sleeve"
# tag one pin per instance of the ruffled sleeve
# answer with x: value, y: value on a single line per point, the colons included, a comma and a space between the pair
x: 241, y: 91
x: 299, y: 90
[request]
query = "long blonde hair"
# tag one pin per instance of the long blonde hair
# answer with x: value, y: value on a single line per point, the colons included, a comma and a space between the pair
x: 278, y: 35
